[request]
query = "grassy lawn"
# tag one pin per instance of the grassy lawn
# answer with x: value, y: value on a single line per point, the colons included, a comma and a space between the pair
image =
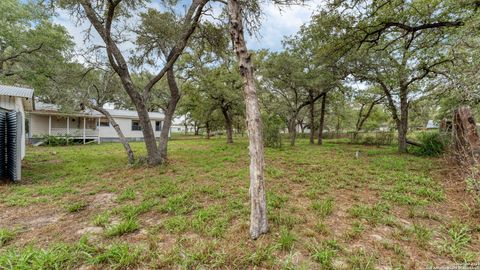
x: 80, y: 206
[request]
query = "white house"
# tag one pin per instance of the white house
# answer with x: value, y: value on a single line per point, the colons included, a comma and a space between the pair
x: 19, y: 99
x: 88, y: 125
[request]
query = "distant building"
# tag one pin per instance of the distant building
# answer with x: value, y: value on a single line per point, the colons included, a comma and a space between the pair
x: 431, y: 125
x: 87, y: 125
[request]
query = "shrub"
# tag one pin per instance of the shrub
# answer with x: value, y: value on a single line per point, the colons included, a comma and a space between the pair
x: 373, y: 138
x: 272, y: 126
x: 49, y: 140
x: 432, y: 144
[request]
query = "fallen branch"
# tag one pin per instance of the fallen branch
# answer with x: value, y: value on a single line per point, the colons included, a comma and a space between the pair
x: 414, y: 143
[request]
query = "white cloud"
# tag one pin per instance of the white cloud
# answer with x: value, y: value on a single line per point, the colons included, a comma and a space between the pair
x: 279, y: 22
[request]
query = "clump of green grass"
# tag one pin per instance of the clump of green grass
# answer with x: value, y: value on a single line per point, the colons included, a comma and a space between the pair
x: 197, y: 255
x: 373, y: 214
x: 179, y: 204
x: 324, y: 207
x: 132, y: 211
x: 176, y: 224
x: 263, y: 254
x: 457, y: 241
x: 287, y: 239
x: 283, y: 218
x: 356, y: 230
x: 422, y: 234
x: 275, y: 201
x: 101, y: 219
x: 210, y: 221
x: 118, y: 256
x: 58, y: 256
x: 125, y: 226
x: 396, y: 248
x: 325, y: 253
x: 359, y: 259
x: 77, y: 207
x: 6, y: 235
x: 127, y: 194
x: 322, y: 228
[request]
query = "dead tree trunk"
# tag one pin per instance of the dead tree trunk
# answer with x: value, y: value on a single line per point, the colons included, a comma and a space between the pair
x: 466, y: 141
x: 258, y: 214
x: 121, y: 137
x: 322, y: 119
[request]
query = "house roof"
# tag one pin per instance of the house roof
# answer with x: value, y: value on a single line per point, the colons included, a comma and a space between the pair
x: 133, y: 114
x: 15, y: 91
x: 53, y: 109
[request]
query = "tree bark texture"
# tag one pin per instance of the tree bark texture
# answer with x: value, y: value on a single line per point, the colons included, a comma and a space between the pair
x: 169, y: 112
x: 322, y: 119
x: 258, y: 214
x: 402, y: 122
x: 121, y: 137
x: 228, y: 124
x: 312, y: 119
x: 292, y: 130
x: 466, y: 141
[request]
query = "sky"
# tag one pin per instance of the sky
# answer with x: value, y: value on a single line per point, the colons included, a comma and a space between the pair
x: 276, y: 23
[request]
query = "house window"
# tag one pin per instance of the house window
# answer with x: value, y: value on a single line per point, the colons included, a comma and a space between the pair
x: 136, y: 125
x: 104, y: 123
x: 158, y: 125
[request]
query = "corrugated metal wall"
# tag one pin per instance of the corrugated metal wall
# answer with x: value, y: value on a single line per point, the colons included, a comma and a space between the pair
x: 10, y: 145
x: 3, y: 130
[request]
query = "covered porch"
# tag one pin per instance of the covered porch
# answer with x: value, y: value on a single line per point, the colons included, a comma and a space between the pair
x: 84, y: 127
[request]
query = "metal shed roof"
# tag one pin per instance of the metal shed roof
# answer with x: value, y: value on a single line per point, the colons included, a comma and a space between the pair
x: 15, y: 91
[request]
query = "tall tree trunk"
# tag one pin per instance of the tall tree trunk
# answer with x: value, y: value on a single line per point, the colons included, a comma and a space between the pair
x: 119, y: 64
x: 228, y: 124
x: 292, y: 131
x: 121, y: 137
x: 196, y: 128
x: 363, y: 117
x: 169, y: 112
x: 258, y: 214
x: 312, y: 118
x: 207, y: 127
x: 358, y: 123
x: 322, y: 119
x: 402, y: 123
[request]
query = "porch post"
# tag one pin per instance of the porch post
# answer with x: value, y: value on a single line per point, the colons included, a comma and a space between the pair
x: 97, y: 125
x: 84, y: 129
x: 49, y: 125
